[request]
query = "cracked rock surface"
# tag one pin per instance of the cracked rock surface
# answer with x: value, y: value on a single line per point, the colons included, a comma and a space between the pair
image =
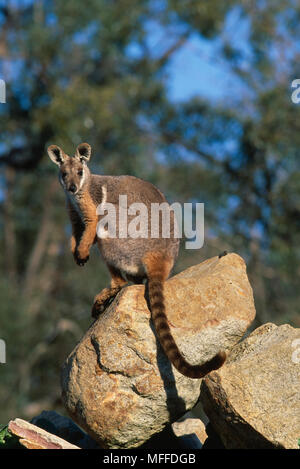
x: 119, y: 386
x: 253, y: 401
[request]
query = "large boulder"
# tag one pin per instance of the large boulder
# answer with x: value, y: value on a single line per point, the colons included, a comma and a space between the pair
x: 253, y: 401
x: 118, y: 384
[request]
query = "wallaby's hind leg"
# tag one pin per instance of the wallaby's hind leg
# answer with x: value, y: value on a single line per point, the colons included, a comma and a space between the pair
x: 103, y: 298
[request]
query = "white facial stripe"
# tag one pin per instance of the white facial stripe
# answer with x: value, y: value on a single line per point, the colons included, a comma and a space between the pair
x: 62, y: 181
x: 83, y: 177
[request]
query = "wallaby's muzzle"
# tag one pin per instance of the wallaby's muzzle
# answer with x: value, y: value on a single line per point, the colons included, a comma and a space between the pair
x: 72, y: 188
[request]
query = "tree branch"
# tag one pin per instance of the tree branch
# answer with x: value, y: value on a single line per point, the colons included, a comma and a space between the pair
x: 167, y: 54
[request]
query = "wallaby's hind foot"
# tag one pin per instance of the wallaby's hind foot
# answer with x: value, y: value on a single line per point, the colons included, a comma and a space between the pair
x: 102, y: 300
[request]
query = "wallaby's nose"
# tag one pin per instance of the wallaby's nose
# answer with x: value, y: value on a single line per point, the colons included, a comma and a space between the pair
x: 72, y: 188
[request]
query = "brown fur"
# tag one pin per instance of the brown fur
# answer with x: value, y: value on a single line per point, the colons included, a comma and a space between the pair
x: 158, y: 268
x: 127, y: 259
x: 90, y: 220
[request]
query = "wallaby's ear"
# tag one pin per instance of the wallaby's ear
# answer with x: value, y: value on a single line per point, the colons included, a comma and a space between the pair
x: 83, y: 152
x: 56, y: 154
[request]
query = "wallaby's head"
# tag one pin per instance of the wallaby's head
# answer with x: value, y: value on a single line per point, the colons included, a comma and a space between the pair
x: 74, y: 172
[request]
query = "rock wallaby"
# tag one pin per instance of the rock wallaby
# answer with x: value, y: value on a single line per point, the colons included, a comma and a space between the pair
x: 127, y: 258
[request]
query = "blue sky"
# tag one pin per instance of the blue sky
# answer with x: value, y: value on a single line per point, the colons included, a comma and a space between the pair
x: 194, y: 71
x: 198, y: 68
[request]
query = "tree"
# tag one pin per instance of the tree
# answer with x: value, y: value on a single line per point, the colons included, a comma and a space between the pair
x: 73, y: 74
x: 94, y: 74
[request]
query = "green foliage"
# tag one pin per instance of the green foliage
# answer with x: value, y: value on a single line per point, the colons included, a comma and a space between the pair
x: 7, y: 439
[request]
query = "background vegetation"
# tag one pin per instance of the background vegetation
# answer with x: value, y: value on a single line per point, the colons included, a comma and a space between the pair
x: 100, y: 72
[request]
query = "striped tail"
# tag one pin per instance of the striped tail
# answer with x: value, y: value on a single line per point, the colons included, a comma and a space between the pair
x: 159, y: 318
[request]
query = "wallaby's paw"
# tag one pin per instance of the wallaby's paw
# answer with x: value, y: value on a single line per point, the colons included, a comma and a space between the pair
x: 81, y: 262
x: 102, y: 300
x: 80, y: 259
x: 97, y: 309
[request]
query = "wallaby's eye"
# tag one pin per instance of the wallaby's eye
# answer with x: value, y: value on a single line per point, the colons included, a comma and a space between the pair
x: 63, y: 174
x: 80, y: 172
